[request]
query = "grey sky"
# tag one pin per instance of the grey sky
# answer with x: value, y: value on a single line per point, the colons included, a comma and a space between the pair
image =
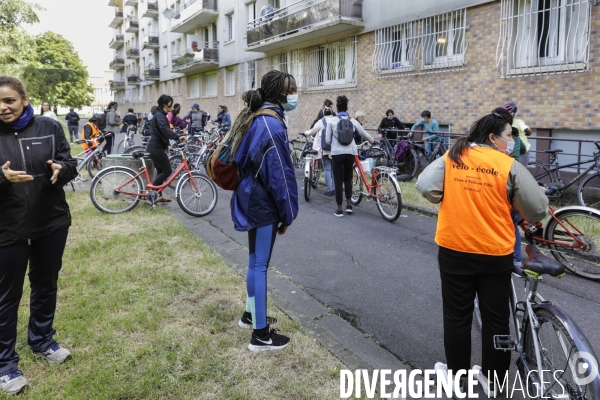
x: 85, y: 24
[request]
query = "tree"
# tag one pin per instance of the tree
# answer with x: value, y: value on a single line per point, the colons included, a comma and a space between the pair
x: 15, y: 42
x: 56, y: 74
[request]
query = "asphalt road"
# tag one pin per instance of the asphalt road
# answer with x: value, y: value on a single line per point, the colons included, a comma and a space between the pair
x: 383, y: 277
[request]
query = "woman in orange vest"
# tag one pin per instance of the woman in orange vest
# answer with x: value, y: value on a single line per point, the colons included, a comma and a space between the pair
x: 90, y: 132
x: 477, y: 185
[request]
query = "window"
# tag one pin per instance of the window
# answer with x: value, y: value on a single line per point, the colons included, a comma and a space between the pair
x: 193, y: 86
x: 229, y: 19
x: 248, y: 76
x: 251, y: 11
x: 210, y: 83
x: 395, y: 48
x: 289, y: 61
x: 165, y: 56
x: 177, y: 92
x: 230, y: 81
x: 444, y: 39
x: 332, y: 65
x: 544, y: 36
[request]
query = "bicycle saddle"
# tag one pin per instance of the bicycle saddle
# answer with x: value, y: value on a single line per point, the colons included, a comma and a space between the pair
x: 540, y: 264
x: 553, y: 151
x: 554, y: 187
x: 140, y: 154
x: 311, y: 151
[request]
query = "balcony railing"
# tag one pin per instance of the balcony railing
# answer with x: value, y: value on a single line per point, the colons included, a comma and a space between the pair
x: 117, y: 19
x: 152, y: 10
x: 305, y: 15
x: 132, y: 25
x: 203, y: 55
x: 195, y: 13
x: 134, y: 79
x: 152, y: 74
x: 117, y: 85
x: 151, y: 41
x: 133, y: 52
x: 117, y: 41
x: 117, y: 63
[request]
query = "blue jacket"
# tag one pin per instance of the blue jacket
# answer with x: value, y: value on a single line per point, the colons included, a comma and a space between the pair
x: 225, y: 120
x: 269, y: 193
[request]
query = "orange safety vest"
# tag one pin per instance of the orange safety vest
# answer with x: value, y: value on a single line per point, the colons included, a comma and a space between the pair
x: 474, y: 215
x: 95, y: 134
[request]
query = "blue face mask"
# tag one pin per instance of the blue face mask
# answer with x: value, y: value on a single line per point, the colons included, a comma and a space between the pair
x: 292, y: 102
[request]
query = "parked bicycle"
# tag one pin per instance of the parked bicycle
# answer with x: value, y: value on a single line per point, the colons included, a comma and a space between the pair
x: 588, y: 192
x: 383, y: 189
x: 555, y: 359
x: 119, y: 189
x: 299, y: 154
x: 312, y: 172
x: 127, y: 140
x: 90, y: 159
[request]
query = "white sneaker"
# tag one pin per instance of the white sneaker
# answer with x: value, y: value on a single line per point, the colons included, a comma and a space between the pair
x: 13, y: 382
x: 484, y: 382
x: 55, y: 354
x: 443, y: 368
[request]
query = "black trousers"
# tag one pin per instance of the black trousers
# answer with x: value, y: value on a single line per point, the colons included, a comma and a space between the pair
x: 108, y: 145
x: 342, y: 175
x: 161, y: 162
x: 463, y: 275
x: 44, y: 256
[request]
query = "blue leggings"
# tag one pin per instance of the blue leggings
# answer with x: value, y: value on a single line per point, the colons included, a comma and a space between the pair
x: 260, y: 244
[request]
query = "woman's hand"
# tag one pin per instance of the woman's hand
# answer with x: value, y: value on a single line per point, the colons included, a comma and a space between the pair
x: 15, y: 176
x: 55, y: 170
x: 281, y: 229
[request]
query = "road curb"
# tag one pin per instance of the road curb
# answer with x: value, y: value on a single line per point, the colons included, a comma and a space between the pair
x: 421, y: 210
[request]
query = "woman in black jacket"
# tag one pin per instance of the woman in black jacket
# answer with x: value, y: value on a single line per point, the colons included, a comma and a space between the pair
x: 390, y: 125
x: 158, y: 145
x: 34, y: 223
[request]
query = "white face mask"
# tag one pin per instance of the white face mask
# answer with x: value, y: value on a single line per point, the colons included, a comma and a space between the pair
x: 510, y: 146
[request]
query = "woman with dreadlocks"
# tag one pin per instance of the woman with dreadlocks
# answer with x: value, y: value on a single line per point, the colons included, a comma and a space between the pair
x: 266, y: 200
x: 478, y: 184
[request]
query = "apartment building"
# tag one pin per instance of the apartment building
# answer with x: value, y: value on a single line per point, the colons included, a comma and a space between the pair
x: 457, y: 58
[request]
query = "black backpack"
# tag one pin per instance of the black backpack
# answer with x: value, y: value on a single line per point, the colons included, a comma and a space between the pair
x: 324, y: 145
x: 101, y: 123
x: 345, y: 130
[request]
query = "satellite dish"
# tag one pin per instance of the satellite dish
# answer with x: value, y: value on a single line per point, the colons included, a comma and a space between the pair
x: 168, y: 13
x: 177, y: 16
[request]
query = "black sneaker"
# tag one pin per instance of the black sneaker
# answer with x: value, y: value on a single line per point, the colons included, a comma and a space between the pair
x: 246, y: 320
x: 339, y: 214
x: 273, y: 341
x: 349, y: 210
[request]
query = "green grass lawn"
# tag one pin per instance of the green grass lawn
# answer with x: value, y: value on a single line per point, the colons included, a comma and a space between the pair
x: 148, y: 311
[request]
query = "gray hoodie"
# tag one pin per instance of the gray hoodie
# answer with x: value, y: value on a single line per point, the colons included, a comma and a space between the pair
x: 331, y: 137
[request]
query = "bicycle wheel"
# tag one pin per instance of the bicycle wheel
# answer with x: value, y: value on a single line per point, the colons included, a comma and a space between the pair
x: 121, y: 147
x: 357, y: 188
x: 390, y: 204
x: 410, y: 164
x: 584, y: 225
x: 93, y: 165
x: 589, y: 191
x: 562, y: 363
x: 196, y: 194
x: 540, y: 172
x: 308, y: 182
x: 116, y: 190
x: 316, y: 173
x: 175, y: 162
x: 131, y: 149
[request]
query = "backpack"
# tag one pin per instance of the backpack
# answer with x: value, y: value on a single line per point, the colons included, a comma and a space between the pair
x: 401, y: 150
x: 324, y: 145
x: 221, y: 168
x: 345, y: 131
x: 102, y: 122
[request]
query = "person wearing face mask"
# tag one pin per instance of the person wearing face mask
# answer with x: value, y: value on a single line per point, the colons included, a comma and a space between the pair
x: 477, y: 184
x: 266, y: 200
x: 522, y: 145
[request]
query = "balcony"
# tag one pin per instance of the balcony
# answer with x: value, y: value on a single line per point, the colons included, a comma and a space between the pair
x: 134, y: 79
x: 201, y: 57
x: 117, y: 41
x: 152, y: 74
x: 117, y: 63
x: 152, y: 10
x: 193, y: 14
x: 133, y: 53
x: 303, y: 21
x: 151, y: 41
x: 132, y: 25
x: 117, y: 85
x: 117, y: 19
x: 132, y: 3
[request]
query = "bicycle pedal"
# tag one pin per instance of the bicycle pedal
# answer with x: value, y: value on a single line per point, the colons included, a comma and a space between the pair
x: 504, y: 342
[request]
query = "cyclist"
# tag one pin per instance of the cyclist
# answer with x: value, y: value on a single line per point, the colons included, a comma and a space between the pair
x: 90, y: 132
x: 196, y: 119
x: 361, y: 117
x: 390, y: 122
x: 324, y: 149
x: 129, y: 120
x: 176, y: 121
x: 176, y: 107
x: 266, y: 201
x: 326, y: 103
x: 522, y: 145
x: 477, y: 185
x: 429, y: 125
x: 223, y: 118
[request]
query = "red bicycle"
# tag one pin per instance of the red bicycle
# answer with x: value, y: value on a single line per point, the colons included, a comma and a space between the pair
x: 119, y: 189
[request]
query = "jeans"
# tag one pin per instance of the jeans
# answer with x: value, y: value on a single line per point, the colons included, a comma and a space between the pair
x: 73, y: 132
x: 327, y: 172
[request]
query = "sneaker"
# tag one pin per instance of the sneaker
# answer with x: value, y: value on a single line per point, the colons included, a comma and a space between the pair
x: 273, y: 341
x: 349, y: 210
x: 443, y: 369
x: 246, y: 320
x: 13, y: 382
x: 54, y: 355
x: 339, y: 214
x: 329, y: 193
x: 488, y: 390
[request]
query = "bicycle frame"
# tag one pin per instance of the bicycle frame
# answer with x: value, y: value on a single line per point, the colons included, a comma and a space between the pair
x: 579, y: 243
x: 374, y: 183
